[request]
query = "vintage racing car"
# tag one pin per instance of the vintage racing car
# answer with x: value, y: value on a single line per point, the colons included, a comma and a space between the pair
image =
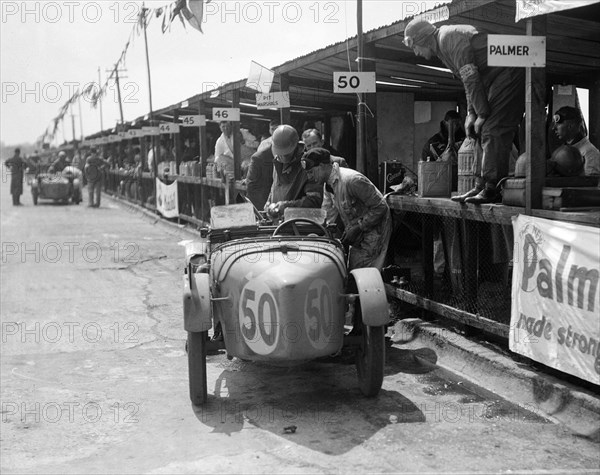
x: 64, y: 186
x: 279, y: 294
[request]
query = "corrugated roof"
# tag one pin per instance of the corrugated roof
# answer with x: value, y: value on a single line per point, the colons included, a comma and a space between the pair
x: 573, y: 55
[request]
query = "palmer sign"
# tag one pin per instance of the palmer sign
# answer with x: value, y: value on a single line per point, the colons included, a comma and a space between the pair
x: 555, y: 315
x: 516, y: 51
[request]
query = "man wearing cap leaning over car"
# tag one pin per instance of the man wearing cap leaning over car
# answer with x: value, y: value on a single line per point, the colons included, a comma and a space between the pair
x: 495, y: 96
x: 290, y: 188
x: 361, y: 206
x: 568, y: 127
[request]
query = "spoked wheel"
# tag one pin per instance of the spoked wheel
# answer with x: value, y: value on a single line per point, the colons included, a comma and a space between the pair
x: 370, y: 359
x: 196, y: 351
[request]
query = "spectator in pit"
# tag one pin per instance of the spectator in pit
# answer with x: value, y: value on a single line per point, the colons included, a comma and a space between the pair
x: 495, y: 96
x: 439, y: 141
x: 290, y: 186
x: 16, y: 164
x: 160, y: 151
x: 224, y: 151
x: 190, y: 150
x: 59, y: 164
x: 260, y: 170
x: 94, y: 173
x: 568, y: 127
x: 312, y: 138
x: 248, y: 146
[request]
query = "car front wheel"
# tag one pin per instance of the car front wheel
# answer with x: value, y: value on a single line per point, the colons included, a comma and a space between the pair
x: 370, y: 360
x: 196, y: 352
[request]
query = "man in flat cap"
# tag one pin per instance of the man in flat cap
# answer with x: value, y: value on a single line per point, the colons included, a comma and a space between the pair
x: 495, y: 96
x: 568, y: 127
x: 361, y: 207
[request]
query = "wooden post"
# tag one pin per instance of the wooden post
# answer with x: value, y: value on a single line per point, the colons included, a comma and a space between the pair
x: 203, y: 157
x: 370, y: 121
x: 237, y: 147
x: 535, y: 117
x: 594, y: 103
x: 177, y: 138
x: 361, y: 129
x: 203, y: 146
x: 285, y: 116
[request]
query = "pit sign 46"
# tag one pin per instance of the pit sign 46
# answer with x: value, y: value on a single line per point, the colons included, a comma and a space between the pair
x: 221, y: 114
x: 351, y: 82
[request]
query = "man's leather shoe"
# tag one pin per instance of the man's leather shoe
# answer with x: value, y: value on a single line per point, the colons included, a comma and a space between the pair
x: 487, y: 195
x: 461, y: 198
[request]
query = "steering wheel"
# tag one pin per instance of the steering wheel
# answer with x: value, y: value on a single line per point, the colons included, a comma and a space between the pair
x: 292, y: 223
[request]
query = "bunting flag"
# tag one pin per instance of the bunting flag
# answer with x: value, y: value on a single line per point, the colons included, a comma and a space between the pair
x: 196, y: 9
x: 190, y: 11
x: 260, y: 78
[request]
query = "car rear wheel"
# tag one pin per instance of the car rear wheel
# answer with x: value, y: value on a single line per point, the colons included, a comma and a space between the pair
x: 196, y: 351
x: 370, y: 360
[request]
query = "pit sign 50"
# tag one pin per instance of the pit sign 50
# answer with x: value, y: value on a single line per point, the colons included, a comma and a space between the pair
x: 351, y: 82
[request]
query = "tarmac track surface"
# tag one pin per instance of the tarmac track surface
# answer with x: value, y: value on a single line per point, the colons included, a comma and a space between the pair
x: 94, y: 376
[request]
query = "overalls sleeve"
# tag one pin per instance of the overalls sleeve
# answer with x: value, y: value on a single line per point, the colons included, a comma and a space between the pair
x: 456, y: 48
x: 373, y: 200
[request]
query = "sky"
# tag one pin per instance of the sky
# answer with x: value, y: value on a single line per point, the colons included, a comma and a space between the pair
x: 49, y: 48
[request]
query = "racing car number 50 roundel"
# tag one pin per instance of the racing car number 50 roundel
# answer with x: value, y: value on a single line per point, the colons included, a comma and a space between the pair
x: 259, y: 317
x: 318, y: 313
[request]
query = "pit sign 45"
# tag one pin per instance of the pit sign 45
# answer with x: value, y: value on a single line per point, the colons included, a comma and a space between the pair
x: 351, y: 82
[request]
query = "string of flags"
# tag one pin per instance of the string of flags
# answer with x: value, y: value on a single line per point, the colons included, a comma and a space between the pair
x: 187, y: 11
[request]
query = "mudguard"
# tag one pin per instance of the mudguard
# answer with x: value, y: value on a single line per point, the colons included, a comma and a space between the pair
x: 197, y: 310
x: 372, y: 298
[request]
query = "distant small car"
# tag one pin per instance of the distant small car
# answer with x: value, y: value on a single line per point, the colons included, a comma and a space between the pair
x: 64, y: 186
x: 279, y: 294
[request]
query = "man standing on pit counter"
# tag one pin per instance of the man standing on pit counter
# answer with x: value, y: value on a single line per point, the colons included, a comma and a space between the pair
x: 495, y: 96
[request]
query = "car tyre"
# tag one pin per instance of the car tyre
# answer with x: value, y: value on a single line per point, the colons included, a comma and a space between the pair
x: 370, y: 360
x: 196, y: 352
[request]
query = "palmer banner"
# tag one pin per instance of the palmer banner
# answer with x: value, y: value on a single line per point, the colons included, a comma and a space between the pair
x: 555, y: 317
x: 167, y: 201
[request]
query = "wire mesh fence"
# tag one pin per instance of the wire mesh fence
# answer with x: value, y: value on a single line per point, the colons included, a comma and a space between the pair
x: 461, y: 263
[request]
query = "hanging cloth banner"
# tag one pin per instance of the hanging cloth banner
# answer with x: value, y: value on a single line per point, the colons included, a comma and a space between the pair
x: 260, y: 78
x: 555, y: 317
x: 531, y: 8
x: 167, y: 200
